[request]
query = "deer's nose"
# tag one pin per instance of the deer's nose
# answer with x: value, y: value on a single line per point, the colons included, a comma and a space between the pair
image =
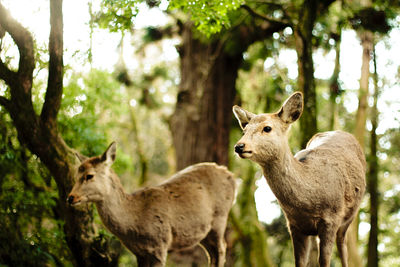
x: 70, y: 199
x: 239, y: 148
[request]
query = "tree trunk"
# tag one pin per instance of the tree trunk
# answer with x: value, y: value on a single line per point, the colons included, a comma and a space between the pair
x: 41, y: 136
x: 359, y: 132
x: 251, y: 235
x: 361, y: 116
x: 334, y: 85
x: 305, y: 80
x: 373, y: 257
x: 201, y: 122
x: 202, y: 119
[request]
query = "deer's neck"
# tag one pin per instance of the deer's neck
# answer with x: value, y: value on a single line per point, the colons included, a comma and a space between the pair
x: 115, y: 210
x: 284, y: 175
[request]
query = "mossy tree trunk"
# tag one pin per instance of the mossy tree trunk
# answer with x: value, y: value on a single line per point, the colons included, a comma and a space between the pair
x: 373, y: 255
x: 202, y: 119
x: 250, y: 233
x: 201, y: 122
x: 305, y: 80
x: 334, y: 87
x: 359, y: 132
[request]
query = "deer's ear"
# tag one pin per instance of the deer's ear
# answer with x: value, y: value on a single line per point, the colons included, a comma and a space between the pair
x: 242, y: 115
x: 292, y: 108
x: 110, y: 154
x: 81, y: 157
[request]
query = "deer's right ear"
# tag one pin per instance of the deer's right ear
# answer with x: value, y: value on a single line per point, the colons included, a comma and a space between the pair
x: 292, y: 108
x: 242, y: 115
x: 110, y: 154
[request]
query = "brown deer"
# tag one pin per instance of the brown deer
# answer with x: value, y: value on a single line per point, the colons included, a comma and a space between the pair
x: 319, y: 189
x: 190, y: 208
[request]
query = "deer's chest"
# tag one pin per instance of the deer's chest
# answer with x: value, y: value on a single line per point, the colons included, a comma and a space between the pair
x: 302, y: 221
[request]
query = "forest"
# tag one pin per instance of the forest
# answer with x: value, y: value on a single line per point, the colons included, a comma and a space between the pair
x: 160, y: 79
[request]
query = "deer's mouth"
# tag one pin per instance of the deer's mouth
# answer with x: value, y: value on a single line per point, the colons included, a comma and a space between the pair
x: 76, y: 203
x: 74, y: 200
x: 245, y: 154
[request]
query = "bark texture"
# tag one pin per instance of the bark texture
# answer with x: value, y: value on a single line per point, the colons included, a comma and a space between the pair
x: 305, y: 80
x: 373, y: 253
x: 39, y: 132
x: 366, y: 38
x: 201, y: 122
x: 306, y: 16
x: 202, y: 118
x: 334, y: 86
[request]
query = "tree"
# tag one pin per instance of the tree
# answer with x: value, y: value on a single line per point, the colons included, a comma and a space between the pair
x: 361, y: 21
x: 39, y: 132
x: 372, y: 181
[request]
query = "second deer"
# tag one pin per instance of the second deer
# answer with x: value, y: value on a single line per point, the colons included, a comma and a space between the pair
x: 191, y: 207
x: 319, y: 189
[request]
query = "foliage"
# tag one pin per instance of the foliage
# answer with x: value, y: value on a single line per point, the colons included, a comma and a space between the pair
x: 208, y: 16
x: 31, y: 233
x: 117, y: 15
x: 90, y: 105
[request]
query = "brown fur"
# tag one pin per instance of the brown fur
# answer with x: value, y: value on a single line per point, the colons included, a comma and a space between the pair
x: 319, y: 189
x: 190, y: 208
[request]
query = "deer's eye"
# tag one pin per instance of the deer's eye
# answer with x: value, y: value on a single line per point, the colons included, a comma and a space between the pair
x: 88, y: 177
x: 267, y: 129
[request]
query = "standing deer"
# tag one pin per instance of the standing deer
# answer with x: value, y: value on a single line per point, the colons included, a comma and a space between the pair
x: 319, y: 189
x: 188, y: 209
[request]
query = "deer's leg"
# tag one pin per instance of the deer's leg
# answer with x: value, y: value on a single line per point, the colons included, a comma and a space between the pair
x: 157, y: 260
x: 341, y: 243
x: 142, y: 261
x: 215, y: 245
x: 160, y: 258
x: 327, y: 235
x: 301, y: 246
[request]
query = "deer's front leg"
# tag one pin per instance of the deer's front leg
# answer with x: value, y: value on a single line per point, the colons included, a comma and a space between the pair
x: 301, y: 245
x: 327, y: 236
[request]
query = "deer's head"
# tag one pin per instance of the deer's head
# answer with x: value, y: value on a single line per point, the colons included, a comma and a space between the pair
x: 265, y: 135
x: 93, y: 180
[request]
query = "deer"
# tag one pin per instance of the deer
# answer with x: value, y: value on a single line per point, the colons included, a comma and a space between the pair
x: 191, y: 208
x: 319, y: 189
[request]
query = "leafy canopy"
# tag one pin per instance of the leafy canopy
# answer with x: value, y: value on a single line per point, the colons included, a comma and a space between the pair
x: 208, y: 16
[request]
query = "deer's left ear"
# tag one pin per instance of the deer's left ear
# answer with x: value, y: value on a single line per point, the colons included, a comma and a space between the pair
x: 243, y: 116
x: 80, y: 157
x: 292, y: 108
x: 109, y: 155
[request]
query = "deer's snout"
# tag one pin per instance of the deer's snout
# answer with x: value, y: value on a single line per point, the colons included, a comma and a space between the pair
x: 243, y: 150
x: 239, y: 148
x: 73, y: 199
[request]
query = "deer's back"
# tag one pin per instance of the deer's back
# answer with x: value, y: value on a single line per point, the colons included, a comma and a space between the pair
x: 336, y: 146
x: 201, y: 183
x: 335, y: 161
x: 188, y: 204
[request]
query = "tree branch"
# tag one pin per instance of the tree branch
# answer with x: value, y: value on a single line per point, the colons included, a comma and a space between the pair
x: 262, y: 16
x: 5, y: 102
x: 24, y: 41
x: 9, y: 76
x: 54, y: 91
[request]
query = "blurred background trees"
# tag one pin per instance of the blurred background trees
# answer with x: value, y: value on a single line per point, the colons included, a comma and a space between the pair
x: 166, y: 98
